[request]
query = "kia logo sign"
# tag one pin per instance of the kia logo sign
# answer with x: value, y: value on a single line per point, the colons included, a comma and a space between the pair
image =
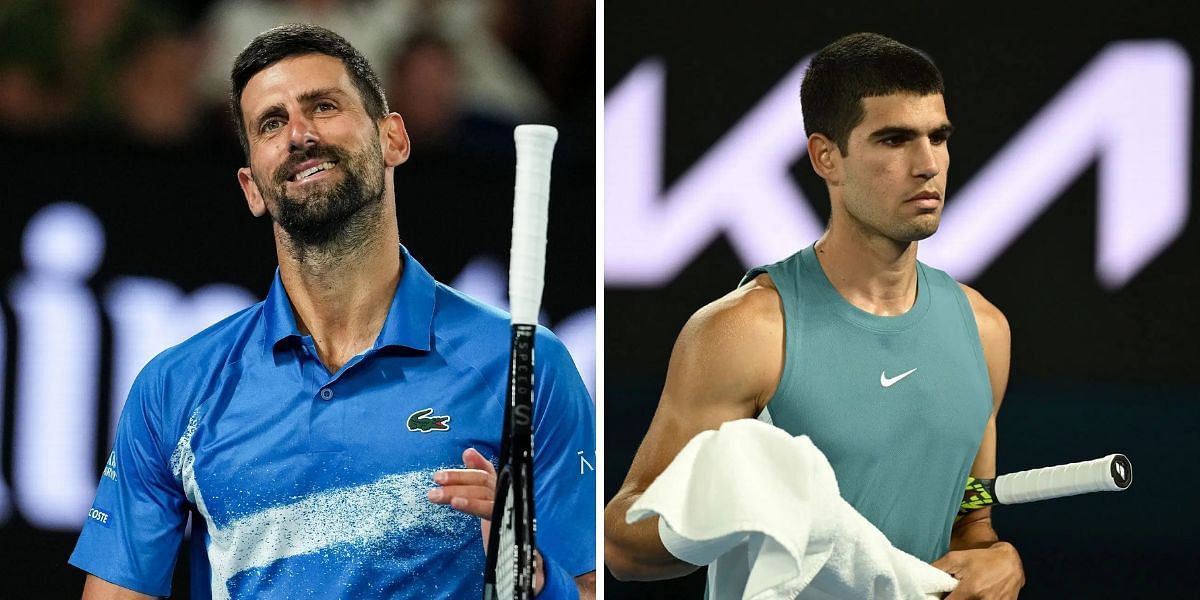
x: 1129, y: 110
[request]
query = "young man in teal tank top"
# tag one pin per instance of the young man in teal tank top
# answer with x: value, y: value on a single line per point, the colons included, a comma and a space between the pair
x: 878, y: 133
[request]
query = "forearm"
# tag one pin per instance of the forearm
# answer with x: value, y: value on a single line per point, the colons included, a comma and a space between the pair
x: 635, y: 552
x: 95, y: 588
x: 973, y: 532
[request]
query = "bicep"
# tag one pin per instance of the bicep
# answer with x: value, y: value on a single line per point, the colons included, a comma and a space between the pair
x: 99, y: 589
x: 724, y: 366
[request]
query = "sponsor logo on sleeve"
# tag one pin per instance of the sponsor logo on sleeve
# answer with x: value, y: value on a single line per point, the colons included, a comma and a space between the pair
x: 584, y: 465
x: 101, y: 516
x: 110, y: 467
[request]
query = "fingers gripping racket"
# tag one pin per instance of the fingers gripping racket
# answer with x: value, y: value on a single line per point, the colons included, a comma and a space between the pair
x: 510, y: 562
x: 1113, y: 473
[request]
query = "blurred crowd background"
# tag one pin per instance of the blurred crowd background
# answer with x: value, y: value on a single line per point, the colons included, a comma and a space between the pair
x: 158, y: 71
x: 123, y: 230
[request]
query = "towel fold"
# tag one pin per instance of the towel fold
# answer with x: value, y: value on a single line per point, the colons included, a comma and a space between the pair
x: 763, y: 511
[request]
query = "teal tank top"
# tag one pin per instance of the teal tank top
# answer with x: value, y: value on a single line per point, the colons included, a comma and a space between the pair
x: 898, y: 404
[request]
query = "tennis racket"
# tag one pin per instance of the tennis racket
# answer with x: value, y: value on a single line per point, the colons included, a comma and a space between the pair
x: 510, y: 562
x: 1113, y: 473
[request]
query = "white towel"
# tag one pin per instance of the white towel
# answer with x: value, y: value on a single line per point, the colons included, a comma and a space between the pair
x: 763, y: 511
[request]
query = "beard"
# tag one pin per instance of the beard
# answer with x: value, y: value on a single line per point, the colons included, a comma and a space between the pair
x: 916, y: 229
x: 332, y: 217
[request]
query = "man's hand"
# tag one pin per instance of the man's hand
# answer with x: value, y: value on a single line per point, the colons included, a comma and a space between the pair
x: 473, y: 490
x: 988, y: 573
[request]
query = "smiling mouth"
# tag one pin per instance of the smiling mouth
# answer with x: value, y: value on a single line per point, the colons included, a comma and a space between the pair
x: 309, y: 172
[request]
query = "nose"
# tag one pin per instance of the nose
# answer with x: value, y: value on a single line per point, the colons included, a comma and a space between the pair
x: 302, y: 133
x: 925, y: 164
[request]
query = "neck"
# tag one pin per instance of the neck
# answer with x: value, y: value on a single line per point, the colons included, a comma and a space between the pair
x: 874, y: 273
x: 341, y: 293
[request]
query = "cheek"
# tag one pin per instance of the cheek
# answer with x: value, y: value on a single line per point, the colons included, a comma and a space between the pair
x: 882, y: 173
x: 264, y: 178
x: 266, y: 163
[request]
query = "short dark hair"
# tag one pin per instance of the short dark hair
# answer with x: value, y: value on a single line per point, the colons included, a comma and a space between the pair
x: 285, y: 41
x: 855, y: 67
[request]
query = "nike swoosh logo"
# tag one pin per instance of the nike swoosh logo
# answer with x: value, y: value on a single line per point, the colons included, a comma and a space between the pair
x: 886, y: 381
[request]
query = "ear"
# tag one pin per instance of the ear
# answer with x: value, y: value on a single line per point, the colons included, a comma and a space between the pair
x: 394, y: 138
x: 826, y: 158
x: 254, y: 199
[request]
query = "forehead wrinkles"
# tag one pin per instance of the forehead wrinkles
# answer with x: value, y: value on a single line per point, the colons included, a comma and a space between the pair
x: 287, y: 80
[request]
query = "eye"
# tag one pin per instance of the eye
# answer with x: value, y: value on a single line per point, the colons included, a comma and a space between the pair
x: 893, y: 141
x: 270, y: 124
x: 938, y: 139
x: 324, y: 106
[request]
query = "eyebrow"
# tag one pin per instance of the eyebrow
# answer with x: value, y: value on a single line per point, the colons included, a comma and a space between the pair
x: 305, y: 97
x: 311, y: 95
x: 944, y: 129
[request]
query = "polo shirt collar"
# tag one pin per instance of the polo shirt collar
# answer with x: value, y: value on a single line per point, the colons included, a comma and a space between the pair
x: 409, y: 321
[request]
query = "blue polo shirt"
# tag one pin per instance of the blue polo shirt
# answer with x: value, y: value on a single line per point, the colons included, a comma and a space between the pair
x: 311, y: 484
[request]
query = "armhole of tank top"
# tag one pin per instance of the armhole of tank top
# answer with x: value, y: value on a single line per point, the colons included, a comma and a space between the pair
x: 789, y: 346
x: 972, y: 327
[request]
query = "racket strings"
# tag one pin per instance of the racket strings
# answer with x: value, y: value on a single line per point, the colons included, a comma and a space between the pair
x: 506, y: 552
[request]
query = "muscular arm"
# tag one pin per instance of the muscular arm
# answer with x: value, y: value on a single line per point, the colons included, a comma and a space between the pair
x: 724, y: 366
x: 985, y: 566
x: 99, y: 589
x: 975, y: 529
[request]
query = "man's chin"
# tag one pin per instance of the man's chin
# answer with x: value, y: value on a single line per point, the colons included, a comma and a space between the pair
x: 919, y: 231
x: 308, y: 221
x: 312, y: 234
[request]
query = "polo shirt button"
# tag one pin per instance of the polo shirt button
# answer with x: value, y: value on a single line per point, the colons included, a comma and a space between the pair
x: 326, y: 394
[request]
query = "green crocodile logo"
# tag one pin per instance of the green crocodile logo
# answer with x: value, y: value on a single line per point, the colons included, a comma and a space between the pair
x: 421, y: 421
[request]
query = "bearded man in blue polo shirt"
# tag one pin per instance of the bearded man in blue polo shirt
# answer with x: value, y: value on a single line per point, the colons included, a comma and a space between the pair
x: 313, y: 436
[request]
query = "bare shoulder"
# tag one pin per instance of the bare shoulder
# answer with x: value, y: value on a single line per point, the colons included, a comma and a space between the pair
x: 741, y: 321
x: 740, y: 313
x: 725, y: 366
x: 734, y: 345
x: 993, y: 326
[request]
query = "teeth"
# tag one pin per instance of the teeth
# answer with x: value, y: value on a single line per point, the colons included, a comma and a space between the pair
x: 308, y: 172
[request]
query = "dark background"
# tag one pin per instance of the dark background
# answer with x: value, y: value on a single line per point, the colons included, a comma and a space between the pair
x: 1094, y: 370
x: 171, y: 208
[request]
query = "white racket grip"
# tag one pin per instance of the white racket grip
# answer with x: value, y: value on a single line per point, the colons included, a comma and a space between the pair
x: 531, y: 199
x: 1112, y: 473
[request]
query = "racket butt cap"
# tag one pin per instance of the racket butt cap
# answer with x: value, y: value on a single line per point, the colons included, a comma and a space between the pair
x: 1121, y: 470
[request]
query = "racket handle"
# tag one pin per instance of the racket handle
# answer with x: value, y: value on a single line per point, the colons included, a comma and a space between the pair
x: 1112, y: 473
x: 535, y: 149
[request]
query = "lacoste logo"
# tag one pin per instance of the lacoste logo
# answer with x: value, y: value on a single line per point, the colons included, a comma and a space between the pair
x: 100, y: 516
x: 885, y: 381
x: 421, y: 421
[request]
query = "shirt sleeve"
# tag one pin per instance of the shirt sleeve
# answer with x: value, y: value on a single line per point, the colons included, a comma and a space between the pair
x: 133, y: 530
x: 564, y: 457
